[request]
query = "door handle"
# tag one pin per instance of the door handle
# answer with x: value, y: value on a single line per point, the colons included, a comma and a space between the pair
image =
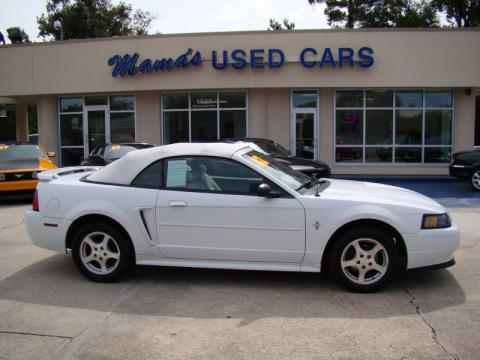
x: 177, y: 203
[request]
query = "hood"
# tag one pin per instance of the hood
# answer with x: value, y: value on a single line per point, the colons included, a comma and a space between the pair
x: 18, y: 164
x: 293, y: 160
x: 373, y: 193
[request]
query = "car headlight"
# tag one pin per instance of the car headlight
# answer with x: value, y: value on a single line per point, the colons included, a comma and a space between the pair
x: 2, y: 177
x: 436, y: 221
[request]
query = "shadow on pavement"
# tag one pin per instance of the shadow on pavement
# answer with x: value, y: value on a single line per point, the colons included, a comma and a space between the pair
x: 246, y: 295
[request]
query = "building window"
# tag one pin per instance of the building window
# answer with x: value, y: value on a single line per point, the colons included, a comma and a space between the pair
x: 84, y: 123
x: 393, y: 126
x: 204, y: 116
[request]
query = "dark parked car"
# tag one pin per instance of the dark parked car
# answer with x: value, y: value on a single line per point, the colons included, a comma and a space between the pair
x: 310, y: 167
x: 105, y: 154
x: 466, y: 164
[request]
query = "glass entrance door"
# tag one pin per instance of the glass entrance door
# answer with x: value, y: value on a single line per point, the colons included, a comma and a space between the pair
x: 96, y: 129
x: 304, y: 134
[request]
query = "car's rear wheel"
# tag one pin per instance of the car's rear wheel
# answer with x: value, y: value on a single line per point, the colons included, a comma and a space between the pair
x: 475, y: 179
x: 364, y: 260
x: 101, y: 252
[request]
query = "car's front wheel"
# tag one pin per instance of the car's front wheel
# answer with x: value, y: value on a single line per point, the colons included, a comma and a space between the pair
x: 475, y: 179
x: 101, y: 252
x: 364, y: 259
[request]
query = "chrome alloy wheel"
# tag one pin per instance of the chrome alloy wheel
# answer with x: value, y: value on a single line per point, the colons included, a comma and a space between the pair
x: 100, y: 253
x: 476, y: 179
x: 364, y: 261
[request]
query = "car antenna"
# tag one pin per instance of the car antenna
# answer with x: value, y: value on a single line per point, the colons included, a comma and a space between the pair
x: 315, y: 181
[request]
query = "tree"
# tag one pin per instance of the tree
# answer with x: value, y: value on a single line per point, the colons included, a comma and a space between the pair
x: 341, y: 11
x: 92, y: 18
x: 276, y: 25
x: 380, y: 13
x: 462, y: 13
x: 398, y: 13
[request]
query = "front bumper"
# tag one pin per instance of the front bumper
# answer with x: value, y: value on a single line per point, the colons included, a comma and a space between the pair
x: 460, y: 171
x: 47, y: 233
x: 429, y: 248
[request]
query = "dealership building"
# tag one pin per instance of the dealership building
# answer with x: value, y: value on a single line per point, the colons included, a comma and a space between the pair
x: 365, y: 101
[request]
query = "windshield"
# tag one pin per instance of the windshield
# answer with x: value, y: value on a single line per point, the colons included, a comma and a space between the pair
x: 20, y: 152
x: 272, y: 148
x: 292, y: 178
x: 115, y: 152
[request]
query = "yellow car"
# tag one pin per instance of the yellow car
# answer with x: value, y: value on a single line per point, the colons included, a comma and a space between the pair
x: 20, y: 165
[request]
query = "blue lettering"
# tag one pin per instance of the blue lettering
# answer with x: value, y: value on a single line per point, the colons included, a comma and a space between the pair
x: 345, y: 54
x: 196, y: 59
x: 215, y: 63
x: 145, y: 66
x: 327, y: 58
x: 281, y: 58
x: 124, y: 65
x: 256, y: 61
x: 238, y: 56
x: 305, y: 63
x: 364, y: 55
x: 163, y: 64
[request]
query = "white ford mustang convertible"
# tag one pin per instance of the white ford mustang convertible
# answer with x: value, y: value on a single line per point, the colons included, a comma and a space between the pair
x: 229, y: 206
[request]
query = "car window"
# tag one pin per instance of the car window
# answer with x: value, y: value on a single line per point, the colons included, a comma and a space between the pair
x: 20, y: 152
x: 211, y: 174
x: 115, y: 152
x: 151, y: 177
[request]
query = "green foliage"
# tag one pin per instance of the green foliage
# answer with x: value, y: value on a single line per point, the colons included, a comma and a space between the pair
x: 276, y: 25
x: 92, y: 18
x: 460, y: 13
x: 379, y: 13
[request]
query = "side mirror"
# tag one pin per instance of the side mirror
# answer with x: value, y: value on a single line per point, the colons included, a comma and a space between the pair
x: 51, y: 154
x: 265, y: 190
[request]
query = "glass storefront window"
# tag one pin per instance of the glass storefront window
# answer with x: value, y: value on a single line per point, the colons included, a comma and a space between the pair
x: 378, y: 154
x: 122, y: 103
x: 379, y: 98
x: 71, y: 156
x: 410, y: 99
x: 232, y: 99
x: 96, y: 100
x: 304, y: 99
x: 379, y: 127
x: 175, y: 127
x: 71, y: 104
x: 71, y: 129
x: 349, y: 98
x: 204, y: 125
x: 438, y: 127
x: 233, y: 123
x: 408, y: 127
x: 438, y: 99
x: 206, y: 116
x: 175, y: 101
x: 349, y: 127
x: 122, y: 127
x: 415, y: 128
x: 204, y: 100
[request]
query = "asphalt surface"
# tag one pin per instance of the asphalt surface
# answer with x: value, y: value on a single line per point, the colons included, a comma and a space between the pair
x: 49, y: 311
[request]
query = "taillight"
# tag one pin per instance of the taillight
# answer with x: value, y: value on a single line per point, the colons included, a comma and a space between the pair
x: 35, y: 201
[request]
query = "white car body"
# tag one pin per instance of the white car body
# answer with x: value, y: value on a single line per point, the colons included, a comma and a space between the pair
x: 197, y: 229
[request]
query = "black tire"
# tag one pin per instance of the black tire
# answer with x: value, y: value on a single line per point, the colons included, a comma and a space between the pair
x: 95, y: 240
x: 384, y: 257
x: 475, y: 179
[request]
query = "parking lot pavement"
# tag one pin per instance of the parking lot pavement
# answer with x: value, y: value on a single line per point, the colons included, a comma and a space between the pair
x: 49, y: 311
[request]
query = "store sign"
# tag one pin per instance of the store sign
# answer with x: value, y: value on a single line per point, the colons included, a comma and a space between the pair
x: 239, y: 59
x: 350, y: 118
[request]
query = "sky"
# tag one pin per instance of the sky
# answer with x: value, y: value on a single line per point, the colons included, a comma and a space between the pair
x: 186, y: 16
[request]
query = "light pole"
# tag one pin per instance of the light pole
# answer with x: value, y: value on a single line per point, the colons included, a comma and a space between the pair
x: 59, y: 26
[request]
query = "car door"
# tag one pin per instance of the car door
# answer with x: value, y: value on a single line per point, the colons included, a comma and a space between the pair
x: 208, y: 209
